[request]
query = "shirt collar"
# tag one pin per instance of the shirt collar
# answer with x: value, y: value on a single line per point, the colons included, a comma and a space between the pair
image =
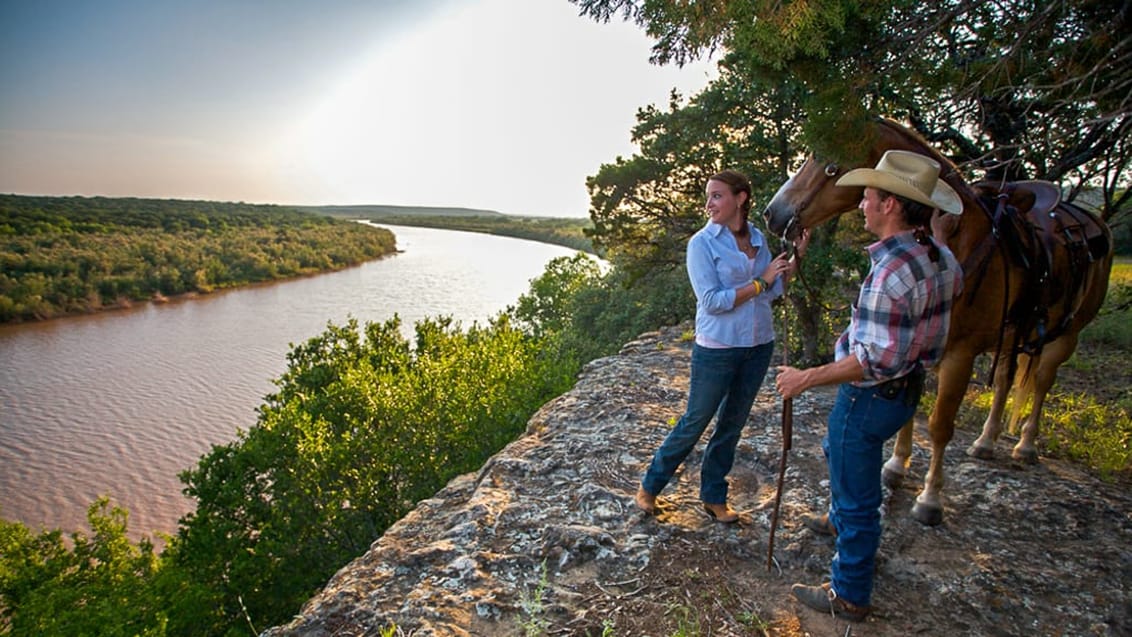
x: 717, y: 229
x: 883, y: 245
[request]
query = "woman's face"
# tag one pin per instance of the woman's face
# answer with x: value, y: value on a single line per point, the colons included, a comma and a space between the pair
x: 724, y: 207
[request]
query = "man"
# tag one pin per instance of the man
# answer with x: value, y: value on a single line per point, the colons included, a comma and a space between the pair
x: 897, y: 330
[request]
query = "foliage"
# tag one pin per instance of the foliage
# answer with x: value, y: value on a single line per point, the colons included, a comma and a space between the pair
x: 362, y: 427
x: 1095, y: 434
x: 1006, y: 89
x: 1113, y: 325
x: 1021, y: 88
x: 531, y: 603
x: 66, y: 255
x: 585, y: 313
x: 104, y: 585
x: 647, y: 207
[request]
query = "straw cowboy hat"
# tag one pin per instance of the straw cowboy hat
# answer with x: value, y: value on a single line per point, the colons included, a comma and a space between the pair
x: 909, y: 175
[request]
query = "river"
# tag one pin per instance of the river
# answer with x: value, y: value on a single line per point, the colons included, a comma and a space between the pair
x: 119, y: 403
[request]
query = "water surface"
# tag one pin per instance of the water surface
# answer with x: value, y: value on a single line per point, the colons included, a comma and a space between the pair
x: 119, y: 403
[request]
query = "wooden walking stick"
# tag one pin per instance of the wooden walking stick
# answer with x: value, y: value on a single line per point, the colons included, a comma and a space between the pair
x: 787, y: 439
x: 787, y: 442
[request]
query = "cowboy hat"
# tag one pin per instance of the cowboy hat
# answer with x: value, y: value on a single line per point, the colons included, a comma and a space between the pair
x: 909, y: 175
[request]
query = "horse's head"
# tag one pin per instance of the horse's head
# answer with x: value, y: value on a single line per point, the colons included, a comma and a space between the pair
x: 810, y: 198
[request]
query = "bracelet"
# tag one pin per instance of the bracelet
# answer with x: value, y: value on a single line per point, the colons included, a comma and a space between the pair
x: 760, y: 287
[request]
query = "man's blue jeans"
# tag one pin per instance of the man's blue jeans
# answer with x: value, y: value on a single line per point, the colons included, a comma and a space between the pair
x: 860, y: 423
x: 724, y: 382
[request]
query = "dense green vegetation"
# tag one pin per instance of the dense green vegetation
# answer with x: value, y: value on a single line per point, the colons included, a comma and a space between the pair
x: 363, y: 425
x: 559, y: 231
x: 67, y: 255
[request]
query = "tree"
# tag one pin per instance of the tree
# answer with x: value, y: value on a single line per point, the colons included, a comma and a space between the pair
x: 101, y: 586
x: 1016, y: 88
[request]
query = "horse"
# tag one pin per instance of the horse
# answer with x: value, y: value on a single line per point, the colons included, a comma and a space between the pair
x: 1035, y: 273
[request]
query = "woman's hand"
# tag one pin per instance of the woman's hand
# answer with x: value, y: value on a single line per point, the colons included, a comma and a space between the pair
x: 779, y: 265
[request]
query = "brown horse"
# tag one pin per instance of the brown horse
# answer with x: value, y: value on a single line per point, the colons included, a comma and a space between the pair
x: 1035, y: 273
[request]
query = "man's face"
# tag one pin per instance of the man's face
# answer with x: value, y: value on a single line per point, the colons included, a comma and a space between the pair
x: 873, y: 207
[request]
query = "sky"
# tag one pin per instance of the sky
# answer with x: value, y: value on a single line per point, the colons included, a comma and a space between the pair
x: 504, y: 105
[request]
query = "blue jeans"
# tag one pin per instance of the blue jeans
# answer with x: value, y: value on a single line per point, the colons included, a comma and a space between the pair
x: 860, y: 423
x: 724, y: 382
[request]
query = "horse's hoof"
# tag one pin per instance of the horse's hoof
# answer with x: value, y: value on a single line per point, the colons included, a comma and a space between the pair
x: 891, y: 479
x: 982, y: 453
x: 927, y: 515
x: 1025, y: 456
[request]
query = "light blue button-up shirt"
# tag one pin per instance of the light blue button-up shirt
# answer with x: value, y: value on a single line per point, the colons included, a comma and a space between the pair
x: 717, y: 268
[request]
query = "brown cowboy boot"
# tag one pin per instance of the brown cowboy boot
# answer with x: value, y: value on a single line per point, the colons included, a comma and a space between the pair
x: 820, y: 524
x: 823, y: 598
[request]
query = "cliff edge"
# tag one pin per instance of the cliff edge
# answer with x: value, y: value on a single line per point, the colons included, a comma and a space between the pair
x: 545, y: 538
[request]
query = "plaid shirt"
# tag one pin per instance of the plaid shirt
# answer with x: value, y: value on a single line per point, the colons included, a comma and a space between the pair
x: 903, y: 311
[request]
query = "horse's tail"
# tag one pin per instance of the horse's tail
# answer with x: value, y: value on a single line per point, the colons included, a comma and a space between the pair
x: 1023, y: 390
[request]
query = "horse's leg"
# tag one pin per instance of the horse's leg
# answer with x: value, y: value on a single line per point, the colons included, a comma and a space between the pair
x: 954, y: 374
x: 897, y: 466
x: 1053, y: 355
x: 983, y: 447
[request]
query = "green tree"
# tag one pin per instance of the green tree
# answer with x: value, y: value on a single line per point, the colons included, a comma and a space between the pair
x: 645, y: 208
x: 1019, y: 88
x: 101, y: 586
x: 363, y: 425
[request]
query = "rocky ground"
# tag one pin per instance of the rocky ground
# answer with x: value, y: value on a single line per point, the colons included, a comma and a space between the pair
x: 545, y: 540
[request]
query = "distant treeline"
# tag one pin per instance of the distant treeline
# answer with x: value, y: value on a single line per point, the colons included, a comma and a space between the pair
x: 69, y: 255
x: 555, y: 230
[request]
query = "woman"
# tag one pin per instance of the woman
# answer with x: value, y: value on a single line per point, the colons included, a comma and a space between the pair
x: 735, y: 279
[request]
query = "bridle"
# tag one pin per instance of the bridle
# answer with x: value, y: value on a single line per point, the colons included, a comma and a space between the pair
x: 831, y: 170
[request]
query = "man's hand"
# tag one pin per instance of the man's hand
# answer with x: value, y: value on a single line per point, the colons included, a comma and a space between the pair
x: 944, y: 225
x: 790, y: 381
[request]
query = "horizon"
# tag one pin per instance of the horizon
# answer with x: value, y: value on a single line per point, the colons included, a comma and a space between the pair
x: 282, y: 205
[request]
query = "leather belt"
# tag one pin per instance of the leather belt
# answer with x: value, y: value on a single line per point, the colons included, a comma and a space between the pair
x: 912, y: 384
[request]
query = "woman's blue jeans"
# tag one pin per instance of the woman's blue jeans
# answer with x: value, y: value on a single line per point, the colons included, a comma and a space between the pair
x: 724, y: 382
x: 860, y: 423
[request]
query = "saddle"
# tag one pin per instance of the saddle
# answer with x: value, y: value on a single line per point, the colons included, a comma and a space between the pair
x: 1052, y: 242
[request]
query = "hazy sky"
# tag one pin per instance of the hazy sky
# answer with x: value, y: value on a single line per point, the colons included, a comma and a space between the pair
x: 505, y: 105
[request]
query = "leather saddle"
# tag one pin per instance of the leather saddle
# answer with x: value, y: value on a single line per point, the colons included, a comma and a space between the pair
x: 1052, y: 242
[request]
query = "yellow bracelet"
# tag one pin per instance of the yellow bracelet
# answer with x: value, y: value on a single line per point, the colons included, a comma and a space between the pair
x: 759, y: 286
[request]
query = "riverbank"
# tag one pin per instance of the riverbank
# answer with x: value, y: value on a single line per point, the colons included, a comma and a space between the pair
x: 119, y: 403
x: 64, y: 256
x: 565, y: 232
